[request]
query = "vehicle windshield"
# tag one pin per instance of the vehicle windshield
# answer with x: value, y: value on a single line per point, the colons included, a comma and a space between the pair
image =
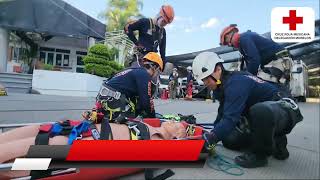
x: 164, y: 81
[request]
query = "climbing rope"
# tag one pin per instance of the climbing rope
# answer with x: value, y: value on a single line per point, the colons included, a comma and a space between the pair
x: 215, y: 160
x: 225, y: 164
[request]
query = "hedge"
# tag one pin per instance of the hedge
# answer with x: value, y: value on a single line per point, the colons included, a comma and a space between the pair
x: 101, y: 50
x: 99, y: 70
x: 100, y: 61
x: 94, y: 60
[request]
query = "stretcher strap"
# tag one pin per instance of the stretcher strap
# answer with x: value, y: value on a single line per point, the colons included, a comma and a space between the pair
x: 106, y: 132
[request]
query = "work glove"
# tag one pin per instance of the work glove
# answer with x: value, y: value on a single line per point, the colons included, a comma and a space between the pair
x: 210, y: 142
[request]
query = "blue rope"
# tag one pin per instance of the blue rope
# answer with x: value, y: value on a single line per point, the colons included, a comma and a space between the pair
x: 225, y: 164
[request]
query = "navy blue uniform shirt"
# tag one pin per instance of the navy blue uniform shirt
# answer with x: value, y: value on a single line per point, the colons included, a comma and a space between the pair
x: 240, y: 92
x: 148, y: 38
x: 257, y: 50
x: 135, y: 82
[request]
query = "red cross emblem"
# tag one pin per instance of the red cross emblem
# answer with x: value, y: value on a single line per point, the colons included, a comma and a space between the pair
x: 292, y: 20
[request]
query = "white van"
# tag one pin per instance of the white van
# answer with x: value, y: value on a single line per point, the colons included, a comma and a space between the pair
x: 164, y: 81
x: 299, y: 82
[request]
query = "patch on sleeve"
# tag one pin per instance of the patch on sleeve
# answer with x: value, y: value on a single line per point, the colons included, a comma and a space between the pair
x: 123, y: 73
x: 258, y: 80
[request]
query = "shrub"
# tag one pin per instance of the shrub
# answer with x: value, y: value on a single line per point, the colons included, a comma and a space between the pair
x: 100, y: 61
x: 48, y: 67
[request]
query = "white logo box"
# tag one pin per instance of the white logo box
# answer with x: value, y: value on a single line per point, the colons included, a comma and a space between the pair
x: 304, y: 32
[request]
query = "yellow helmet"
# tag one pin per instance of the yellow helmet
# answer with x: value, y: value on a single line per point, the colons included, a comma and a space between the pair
x: 154, y: 57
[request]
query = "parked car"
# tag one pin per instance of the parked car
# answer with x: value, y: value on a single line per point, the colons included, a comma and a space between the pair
x: 164, y: 81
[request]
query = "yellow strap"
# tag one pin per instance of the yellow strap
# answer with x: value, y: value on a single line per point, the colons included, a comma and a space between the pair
x: 191, y: 129
x: 133, y: 108
x: 152, y: 26
x: 133, y: 136
x: 111, y: 111
x: 211, y: 149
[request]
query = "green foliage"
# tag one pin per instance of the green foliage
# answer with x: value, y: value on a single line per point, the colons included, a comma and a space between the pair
x: 100, y: 70
x: 48, y: 67
x: 100, y: 61
x: 119, y: 12
x: 314, y: 91
x: 100, y: 50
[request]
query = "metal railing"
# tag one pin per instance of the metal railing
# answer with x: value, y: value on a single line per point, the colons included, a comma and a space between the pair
x: 120, y: 40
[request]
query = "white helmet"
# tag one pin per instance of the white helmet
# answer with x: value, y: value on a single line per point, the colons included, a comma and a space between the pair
x: 204, y: 63
x: 189, y: 68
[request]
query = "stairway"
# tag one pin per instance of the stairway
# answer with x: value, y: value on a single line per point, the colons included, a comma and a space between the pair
x: 16, y: 82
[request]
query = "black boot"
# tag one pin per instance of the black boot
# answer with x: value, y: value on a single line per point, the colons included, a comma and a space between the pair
x: 280, y: 151
x: 251, y: 160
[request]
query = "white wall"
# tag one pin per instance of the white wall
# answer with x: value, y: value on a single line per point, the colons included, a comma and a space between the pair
x: 4, y: 44
x: 66, y: 83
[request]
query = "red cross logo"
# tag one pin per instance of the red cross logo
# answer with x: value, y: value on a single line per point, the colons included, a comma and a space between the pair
x: 292, y: 20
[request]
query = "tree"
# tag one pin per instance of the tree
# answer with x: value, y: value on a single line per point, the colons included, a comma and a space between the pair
x: 100, y: 62
x: 120, y: 11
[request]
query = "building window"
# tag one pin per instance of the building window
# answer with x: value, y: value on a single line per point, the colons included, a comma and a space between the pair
x: 80, y: 63
x: 66, y: 60
x: 50, y: 58
x: 43, y: 57
x: 63, y: 51
x: 80, y: 70
x: 56, y: 57
x: 15, y: 55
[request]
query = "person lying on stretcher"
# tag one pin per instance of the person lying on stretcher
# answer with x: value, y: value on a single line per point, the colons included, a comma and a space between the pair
x: 15, y: 143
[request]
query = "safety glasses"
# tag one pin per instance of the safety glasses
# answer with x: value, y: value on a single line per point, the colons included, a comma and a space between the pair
x: 150, y: 65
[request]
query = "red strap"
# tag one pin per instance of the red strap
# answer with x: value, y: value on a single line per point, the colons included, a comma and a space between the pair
x: 74, y: 122
x: 198, y: 131
x: 77, y: 122
x: 87, y: 133
x: 45, y: 127
x: 154, y: 122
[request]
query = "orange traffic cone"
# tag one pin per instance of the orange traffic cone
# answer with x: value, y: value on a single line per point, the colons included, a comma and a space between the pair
x: 189, y: 92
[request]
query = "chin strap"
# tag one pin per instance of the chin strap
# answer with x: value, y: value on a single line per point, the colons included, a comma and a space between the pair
x: 218, y: 82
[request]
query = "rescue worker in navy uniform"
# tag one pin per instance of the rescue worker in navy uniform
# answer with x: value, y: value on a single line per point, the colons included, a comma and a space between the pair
x: 270, y: 116
x: 117, y: 96
x: 263, y: 57
x: 152, y: 33
x: 189, y: 82
x: 173, y: 83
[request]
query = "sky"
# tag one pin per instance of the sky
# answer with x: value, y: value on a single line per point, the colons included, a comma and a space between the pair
x: 198, y: 23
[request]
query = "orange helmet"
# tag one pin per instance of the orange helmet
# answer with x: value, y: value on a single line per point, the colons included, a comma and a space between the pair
x: 232, y: 28
x: 155, y: 58
x: 167, y: 13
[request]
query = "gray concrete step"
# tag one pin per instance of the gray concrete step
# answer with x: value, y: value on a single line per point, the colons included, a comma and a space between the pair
x: 16, y: 82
